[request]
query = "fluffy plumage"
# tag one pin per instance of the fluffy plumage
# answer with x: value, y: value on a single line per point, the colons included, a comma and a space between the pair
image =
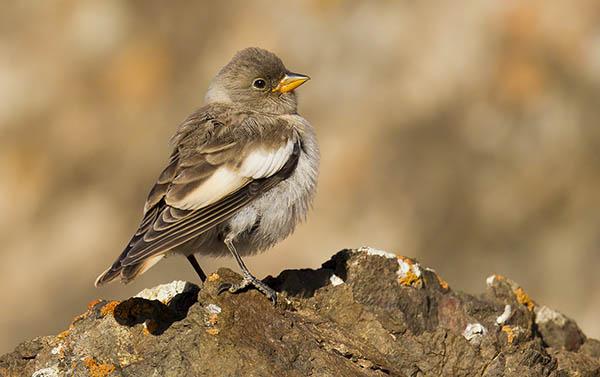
x: 241, y: 176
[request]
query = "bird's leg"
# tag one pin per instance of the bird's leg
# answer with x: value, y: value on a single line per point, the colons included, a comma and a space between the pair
x: 192, y: 259
x: 248, y: 279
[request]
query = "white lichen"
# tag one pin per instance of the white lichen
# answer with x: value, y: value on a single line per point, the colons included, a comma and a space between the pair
x: 505, y: 316
x: 46, y: 372
x: 408, y: 271
x: 544, y: 314
x: 335, y: 280
x: 165, y: 292
x: 56, y: 350
x: 490, y: 280
x: 405, y: 268
x: 381, y: 253
x: 213, y: 309
x: 474, y: 331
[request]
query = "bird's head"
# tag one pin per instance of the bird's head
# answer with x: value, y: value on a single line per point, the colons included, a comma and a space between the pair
x: 257, y: 78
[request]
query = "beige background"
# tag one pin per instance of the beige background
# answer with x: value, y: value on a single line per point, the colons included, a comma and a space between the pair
x: 462, y: 133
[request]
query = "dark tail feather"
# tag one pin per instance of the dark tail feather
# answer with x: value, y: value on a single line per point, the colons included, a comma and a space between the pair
x: 127, y: 273
x: 113, y: 271
x: 107, y: 276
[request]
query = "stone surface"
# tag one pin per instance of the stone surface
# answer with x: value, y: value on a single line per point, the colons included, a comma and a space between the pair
x: 166, y: 292
x: 363, y: 313
x: 557, y: 330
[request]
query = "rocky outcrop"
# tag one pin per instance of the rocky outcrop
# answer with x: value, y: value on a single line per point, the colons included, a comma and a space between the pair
x: 365, y: 312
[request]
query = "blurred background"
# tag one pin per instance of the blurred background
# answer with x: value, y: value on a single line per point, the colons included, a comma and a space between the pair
x: 463, y: 134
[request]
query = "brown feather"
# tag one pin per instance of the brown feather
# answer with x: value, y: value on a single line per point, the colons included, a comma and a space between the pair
x: 159, y: 240
x: 204, y: 144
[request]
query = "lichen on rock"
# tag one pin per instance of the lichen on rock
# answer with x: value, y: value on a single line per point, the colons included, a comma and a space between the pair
x: 365, y: 312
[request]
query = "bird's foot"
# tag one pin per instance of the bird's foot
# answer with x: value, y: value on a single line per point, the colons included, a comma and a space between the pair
x: 246, y: 282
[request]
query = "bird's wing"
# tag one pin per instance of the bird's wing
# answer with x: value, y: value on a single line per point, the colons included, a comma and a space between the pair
x: 205, y: 186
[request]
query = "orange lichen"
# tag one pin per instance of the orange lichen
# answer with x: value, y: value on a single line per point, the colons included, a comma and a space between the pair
x: 213, y: 319
x: 213, y: 277
x: 98, y: 370
x: 409, y: 276
x: 524, y: 299
x: 213, y: 331
x: 443, y: 283
x: 109, y: 308
x: 64, y: 334
x: 409, y: 279
x: 510, y: 333
x: 91, y: 304
x: 520, y: 294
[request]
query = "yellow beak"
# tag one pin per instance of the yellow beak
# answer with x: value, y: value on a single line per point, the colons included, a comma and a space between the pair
x: 290, y: 82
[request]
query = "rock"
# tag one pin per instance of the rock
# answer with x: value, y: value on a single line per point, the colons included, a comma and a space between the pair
x: 474, y: 332
x: 557, y: 330
x: 363, y: 313
x: 166, y: 292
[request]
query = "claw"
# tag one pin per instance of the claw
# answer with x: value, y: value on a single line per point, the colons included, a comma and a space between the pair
x: 245, y: 283
x: 272, y: 296
x: 248, y: 279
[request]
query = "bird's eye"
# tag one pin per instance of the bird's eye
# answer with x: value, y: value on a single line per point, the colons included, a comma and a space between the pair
x: 259, y: 83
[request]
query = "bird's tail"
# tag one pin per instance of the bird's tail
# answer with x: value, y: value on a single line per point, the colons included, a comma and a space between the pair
x: 107, y: 276
x: 126, y: 273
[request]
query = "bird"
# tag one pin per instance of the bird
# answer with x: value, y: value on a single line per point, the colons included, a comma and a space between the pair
x: 242, y: 174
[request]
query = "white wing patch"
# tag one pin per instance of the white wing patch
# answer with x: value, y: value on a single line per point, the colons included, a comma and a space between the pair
x: 263, y: 163
x: 222, y: 182
x: 260, y: 163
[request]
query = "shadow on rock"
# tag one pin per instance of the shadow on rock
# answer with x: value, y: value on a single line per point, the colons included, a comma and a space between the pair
x: 305, y: 282
x: 157, y: 315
